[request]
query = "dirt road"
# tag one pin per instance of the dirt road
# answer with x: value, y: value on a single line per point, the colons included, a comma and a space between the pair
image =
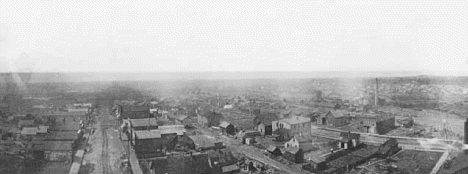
x: 251, y: 152
x: 106, y: 148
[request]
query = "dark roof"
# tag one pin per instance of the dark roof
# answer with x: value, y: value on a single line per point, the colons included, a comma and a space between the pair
x: 272, y: 148
x: 141, y: 122
x: 389, y: 144
x: 62, y: 135
x: 54, y: 145
x: 223, y: 157
x: 196, y: 164
x: 346, y: 136
x: 136, y: 114
x: 265, y: 118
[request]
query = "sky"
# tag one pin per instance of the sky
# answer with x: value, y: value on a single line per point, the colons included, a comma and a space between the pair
x: 226, y: 35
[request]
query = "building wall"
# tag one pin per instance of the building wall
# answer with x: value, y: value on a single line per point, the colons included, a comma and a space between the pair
x: 261, y: 128
x: 385, y: 125
x: 58, y: 155
x: 202, y: 121
x: 301, y: 128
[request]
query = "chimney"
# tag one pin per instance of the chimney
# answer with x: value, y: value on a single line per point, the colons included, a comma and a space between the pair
x: 466, y: 131
x: 376, y: 93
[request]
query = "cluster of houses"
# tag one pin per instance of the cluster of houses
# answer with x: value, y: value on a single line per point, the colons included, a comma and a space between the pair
x: 50, y: 136
x: 163, y: 145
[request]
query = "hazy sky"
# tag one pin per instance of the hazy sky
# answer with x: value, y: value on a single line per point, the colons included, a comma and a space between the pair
x: 233, y: 35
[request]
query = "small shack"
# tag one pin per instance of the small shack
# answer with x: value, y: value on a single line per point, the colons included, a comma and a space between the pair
x: 293, y: 154
x: 348, y: 140
x: 274, y: 150
x: 227, y: 128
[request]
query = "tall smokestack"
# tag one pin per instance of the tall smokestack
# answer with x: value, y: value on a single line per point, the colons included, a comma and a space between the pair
x: 376, y: 93
x: 466, y: 131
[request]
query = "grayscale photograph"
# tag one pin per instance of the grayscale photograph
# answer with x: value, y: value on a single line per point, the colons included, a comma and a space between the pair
x: 234, y: 87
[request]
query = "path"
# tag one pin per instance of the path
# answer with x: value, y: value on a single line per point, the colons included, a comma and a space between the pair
x: 439, y: 163
x: 251, y: 152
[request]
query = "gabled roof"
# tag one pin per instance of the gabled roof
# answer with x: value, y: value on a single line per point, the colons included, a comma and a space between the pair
x: 349, y: 136
x: 224, y: 124
x: 272, y: 148
x: 141, y: 122
x: 145, y: 134
x: 230, y: 168
x: 266, y: 118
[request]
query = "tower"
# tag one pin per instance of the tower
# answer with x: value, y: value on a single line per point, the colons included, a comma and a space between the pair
x: 466, y: 132
x: 376, y: 93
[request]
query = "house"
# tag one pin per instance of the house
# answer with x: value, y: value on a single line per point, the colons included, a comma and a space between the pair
x: 282, y: 134
x: 263, y: 123
x: 378, y: 124
x: 304, y: 142
x: 196, y: 163
x: 55, y: 150
x: 26, y: 123
x: 184, y: 143
x: 297, y: 125
x: 293, y: 154
x: 151, y: 143
x: 227, y: 128
x: 248, y: 137
x: 315, y: 164
x: 209, y: 119
x: 274, y: 150
x: 143, y: 124
x: 348, y: 140
x: 222, y: 161
x: 334, y: 118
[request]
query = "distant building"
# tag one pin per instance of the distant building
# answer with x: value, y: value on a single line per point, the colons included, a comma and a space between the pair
x: 378, y: 124
x: 293, y: 154
x: 263, y: 123
x: 274, y: 150
x: 143, y: 124
x: 227, y: 128
x: 55, y: 150
x: 334, y: 118
x: 348, y: 140
x: 297, y: 125
x: 303, y: 142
